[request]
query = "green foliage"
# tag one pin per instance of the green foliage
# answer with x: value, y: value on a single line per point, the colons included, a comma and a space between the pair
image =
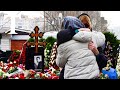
x: 42, y: 40
x: 31, y: 40
x: 50, y: 41
x: 112, y: 39
x: 17, y: 52
x: 112, y: 45
x: 46, y: 64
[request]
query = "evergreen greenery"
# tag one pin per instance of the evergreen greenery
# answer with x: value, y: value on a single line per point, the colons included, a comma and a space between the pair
x: 112, y: 47
x: 31, y: 40
x: 42, y: 40
x: 50, y: 41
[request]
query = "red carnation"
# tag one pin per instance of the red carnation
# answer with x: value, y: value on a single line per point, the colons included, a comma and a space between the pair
x: 21, y: 76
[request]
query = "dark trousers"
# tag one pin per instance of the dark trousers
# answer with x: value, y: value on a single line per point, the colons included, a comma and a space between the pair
x: 101, y: 61
x: 62, y: 74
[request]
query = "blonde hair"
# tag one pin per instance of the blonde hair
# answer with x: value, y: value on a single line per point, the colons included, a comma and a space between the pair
x: 86, y: 21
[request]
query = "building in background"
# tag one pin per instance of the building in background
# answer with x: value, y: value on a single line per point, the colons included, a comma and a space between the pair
x: 52, y: 21
x: 53, y: 16
x: 5, y: 42
x: 23, y: 26
x: 104, y: 26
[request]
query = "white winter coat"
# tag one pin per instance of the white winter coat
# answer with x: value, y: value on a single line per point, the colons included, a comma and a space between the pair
x: 79, y: 61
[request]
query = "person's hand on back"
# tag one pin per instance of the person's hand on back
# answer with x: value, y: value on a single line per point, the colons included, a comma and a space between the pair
x: 92, y: 47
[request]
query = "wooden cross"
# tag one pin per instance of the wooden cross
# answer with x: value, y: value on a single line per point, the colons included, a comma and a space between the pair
x: 36, y: 43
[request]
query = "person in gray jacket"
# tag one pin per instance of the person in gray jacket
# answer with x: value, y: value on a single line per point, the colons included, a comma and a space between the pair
x: 74, y: 55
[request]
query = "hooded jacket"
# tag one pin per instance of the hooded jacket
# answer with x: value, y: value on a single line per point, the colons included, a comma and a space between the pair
x: 70, y: 24
x: 79, y: 61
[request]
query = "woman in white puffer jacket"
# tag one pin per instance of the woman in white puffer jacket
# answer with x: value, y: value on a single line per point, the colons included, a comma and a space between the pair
x: 74, y: 55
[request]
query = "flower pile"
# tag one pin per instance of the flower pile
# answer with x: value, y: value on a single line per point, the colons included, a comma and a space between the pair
x: 118, y: 66
x: 48, y: 50
x: 108, y: 72
x: 107, y: 68
x: 102, y: 76
x: 14, y: 71
x: 111, y: 50
x: 14, y: 56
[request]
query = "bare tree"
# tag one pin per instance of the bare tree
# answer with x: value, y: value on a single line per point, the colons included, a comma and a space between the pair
x: 94, y: 15
x: 52, y: 20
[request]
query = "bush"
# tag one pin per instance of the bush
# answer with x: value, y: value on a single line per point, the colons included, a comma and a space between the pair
x: 50, y: 41
x: 39, y: 40
x: 111, y: 47
x: 42, y: 40
x: 31, y: 40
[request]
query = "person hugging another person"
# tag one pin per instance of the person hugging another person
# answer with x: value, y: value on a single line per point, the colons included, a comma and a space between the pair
x: 73, y: 54
x: 100, y: 57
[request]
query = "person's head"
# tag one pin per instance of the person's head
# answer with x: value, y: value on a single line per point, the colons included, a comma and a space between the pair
x: 85, y: 19
x: 69, y: 25
x: 72, y: 23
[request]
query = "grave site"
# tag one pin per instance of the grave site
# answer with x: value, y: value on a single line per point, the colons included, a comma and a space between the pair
x: 30, y: 43
x: 36, y: 59
x: 32, y: 62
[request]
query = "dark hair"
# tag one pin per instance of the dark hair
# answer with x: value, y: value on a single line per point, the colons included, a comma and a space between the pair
x: 83, y: 14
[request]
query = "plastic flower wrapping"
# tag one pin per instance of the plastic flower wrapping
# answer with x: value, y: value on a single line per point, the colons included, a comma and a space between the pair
x: 108, y: 72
